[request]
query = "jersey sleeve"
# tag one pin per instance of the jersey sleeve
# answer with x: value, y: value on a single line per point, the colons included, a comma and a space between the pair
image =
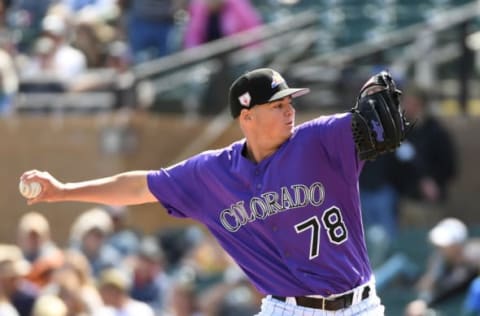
x: 176, y: 187
x: 334, y: 135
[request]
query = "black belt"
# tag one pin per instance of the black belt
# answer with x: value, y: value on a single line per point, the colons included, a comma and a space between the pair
x: 335, y: 304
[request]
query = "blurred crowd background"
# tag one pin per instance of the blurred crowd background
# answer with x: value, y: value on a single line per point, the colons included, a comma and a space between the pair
x: 94, y: 87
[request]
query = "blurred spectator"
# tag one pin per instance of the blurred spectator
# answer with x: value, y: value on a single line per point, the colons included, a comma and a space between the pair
x: 78, y: 263
x: 233, y: 296
x: 44, y: 267
x: 54, y: 57
x: 114, y: 286
x: 207, y: 282
x: 26, y: 17
x: 67, y: 285
x: 380, y: 211
x: 378, y: 196
x: 209, y: 262
x: 237, y: 301
x: 74, y: 284
x: 427, y: 161
x: 182, y: 299
x: 6, y: 308
x: 213, y: 19
x: 471, y: 306
x: 150, y: 283
x: 150, y: 26
x: 379, y: 200
x: 8, y: 34
x: 418, y: 308
x: 453, y: 264
x: 122, y: 237
x: 4, y: 6
x: 34, y: 239
x: 397, y: 267
x: 49, y: 305
x: 8, y: 83
x: 67, y: 61
x: 118, y: 57
x: 107, y: 9
x: 88, y: 235
x: 91, y: 35
x: 116, y: 76
x: 33, y: 236
x: 31, y: 68
x: 178, y: 243
x: 15, y: 288
x: 119, y: 60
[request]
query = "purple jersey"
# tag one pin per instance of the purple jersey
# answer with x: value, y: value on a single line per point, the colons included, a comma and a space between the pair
x: 292, y: 222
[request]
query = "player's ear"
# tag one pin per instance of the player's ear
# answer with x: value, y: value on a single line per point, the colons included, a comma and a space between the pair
x: 245, y: 115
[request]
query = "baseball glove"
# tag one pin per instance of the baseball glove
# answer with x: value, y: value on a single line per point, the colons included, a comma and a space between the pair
x: 378, y: 122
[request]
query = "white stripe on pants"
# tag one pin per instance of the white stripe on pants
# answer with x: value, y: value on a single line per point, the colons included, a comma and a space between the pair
x: 370, y: 306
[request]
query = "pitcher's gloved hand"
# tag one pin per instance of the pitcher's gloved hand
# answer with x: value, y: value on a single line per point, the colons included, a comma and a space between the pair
x: 378, y: 121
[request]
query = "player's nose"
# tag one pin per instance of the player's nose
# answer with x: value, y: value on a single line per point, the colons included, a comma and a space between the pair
x: 290, y: 109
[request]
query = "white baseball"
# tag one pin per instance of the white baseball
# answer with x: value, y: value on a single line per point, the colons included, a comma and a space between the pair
x: 29, y: 190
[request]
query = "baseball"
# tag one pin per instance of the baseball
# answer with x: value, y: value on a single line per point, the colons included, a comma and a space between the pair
x: 29, y: 190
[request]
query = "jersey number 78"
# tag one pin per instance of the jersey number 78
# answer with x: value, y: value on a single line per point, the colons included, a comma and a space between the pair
x: 332, y: 221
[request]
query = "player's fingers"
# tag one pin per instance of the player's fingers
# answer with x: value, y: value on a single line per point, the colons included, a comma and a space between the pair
x: 27, y: 174
x: 38, y: 176
x: 32, y: 174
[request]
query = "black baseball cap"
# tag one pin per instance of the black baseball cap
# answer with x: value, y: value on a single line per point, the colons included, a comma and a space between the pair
x: 259, y: 86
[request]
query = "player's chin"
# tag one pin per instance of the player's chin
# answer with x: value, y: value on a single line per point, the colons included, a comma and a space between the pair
x: 287, y: 133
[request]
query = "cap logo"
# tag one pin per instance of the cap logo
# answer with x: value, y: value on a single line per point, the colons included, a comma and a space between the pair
x: 245, y: 99
x: 277, y: 79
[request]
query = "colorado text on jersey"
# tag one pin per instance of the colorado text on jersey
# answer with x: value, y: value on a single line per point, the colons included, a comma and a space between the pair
x: 271, y: 203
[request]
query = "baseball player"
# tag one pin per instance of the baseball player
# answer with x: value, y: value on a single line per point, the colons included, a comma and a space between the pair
x: 283, y: 201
